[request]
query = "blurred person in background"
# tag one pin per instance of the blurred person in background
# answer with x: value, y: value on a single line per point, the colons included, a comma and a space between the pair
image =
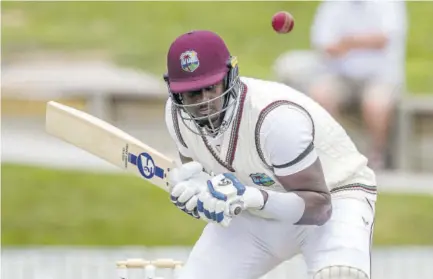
x: 362, y: 48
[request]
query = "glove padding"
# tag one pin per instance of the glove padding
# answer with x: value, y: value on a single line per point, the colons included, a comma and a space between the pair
x: 185, y: 183
x: 224, y: 195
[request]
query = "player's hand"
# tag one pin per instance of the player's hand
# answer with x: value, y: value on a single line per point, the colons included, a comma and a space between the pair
x: 225, y: 197
x: 339, y: 49
x: 185, y: 183
x: 184, y: 173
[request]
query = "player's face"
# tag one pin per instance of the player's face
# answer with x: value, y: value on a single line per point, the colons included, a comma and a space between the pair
x: 204, y: 102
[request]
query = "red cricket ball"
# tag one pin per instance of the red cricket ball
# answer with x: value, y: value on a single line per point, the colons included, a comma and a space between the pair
x: 283, y: 22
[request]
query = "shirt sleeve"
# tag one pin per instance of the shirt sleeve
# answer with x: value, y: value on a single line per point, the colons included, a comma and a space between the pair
x: 287, y: 135
x: 172, y: 131
x: 324, y: 30
x: 393, y: 18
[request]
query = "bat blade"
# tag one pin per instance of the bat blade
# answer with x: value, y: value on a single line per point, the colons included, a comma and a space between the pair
x: 107, y: 142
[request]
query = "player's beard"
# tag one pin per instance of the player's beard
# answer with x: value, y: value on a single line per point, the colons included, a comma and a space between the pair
x: 208, y: 115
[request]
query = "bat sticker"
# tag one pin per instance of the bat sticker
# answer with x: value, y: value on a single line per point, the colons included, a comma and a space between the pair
x: 146, y: 165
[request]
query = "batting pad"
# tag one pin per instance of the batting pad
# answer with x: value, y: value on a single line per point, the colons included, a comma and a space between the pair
x: 340, y: 272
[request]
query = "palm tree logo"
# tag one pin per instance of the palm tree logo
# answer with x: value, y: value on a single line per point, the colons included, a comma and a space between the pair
x: 189, y: 61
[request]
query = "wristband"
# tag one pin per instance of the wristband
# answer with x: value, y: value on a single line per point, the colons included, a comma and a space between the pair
x: 287, y: 207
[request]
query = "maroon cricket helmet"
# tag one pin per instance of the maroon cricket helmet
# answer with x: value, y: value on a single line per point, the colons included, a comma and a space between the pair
x: 196, y: 60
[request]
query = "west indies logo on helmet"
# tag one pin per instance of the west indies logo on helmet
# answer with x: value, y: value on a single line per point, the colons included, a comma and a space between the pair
x: 189, y: 61
x: 199, y: 65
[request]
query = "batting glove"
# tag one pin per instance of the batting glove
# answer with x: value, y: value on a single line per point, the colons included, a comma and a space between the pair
x: 185, y: 183
x: 225, y: 197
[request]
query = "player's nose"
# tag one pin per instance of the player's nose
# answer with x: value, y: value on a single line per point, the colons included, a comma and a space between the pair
x: 206, y: 95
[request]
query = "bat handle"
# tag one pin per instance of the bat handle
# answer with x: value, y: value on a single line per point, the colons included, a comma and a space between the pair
x: 236, y: 209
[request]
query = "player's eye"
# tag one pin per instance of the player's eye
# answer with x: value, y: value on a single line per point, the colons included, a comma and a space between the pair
x: 210, y: 88
x: 193, y: 94
x: 197, y: 93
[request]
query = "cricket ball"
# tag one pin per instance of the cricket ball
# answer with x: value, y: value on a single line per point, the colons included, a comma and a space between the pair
x: 283, y: 22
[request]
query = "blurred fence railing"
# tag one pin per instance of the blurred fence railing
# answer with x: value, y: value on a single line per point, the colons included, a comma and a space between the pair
x: 99, y: 263
x: 123, y: 95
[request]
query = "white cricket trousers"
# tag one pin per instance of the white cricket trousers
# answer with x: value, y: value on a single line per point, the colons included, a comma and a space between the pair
x: 251, y: 246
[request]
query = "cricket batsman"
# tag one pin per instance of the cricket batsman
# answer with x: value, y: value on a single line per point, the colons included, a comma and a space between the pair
x: 272, y: 173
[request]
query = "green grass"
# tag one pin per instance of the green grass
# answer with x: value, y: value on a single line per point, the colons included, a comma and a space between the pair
x: 49, y: 207
x: 404, y: 219
x: 138, y: 33
x: 42, y: 206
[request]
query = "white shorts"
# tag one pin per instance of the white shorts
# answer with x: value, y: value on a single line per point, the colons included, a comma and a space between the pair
x: 251, y: 246
x: 347, y: 91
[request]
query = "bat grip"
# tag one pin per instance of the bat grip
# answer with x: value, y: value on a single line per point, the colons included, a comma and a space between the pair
x: 235, y: 209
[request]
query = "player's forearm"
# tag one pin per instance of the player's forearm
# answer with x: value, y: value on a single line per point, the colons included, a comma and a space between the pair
x: 296, y: 207
x: 318, y: 208
x: 184, y: 159
x: 308, y: 200
x: 371, y: 41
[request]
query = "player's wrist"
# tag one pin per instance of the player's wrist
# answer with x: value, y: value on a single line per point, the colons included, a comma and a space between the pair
x: 254, y: 198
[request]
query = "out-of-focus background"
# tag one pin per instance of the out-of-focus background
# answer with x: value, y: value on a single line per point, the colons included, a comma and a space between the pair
x: 66, y: 214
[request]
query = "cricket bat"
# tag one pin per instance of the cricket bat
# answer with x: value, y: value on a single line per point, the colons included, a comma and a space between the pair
x: 107, y: 142
x: 111, y: 144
